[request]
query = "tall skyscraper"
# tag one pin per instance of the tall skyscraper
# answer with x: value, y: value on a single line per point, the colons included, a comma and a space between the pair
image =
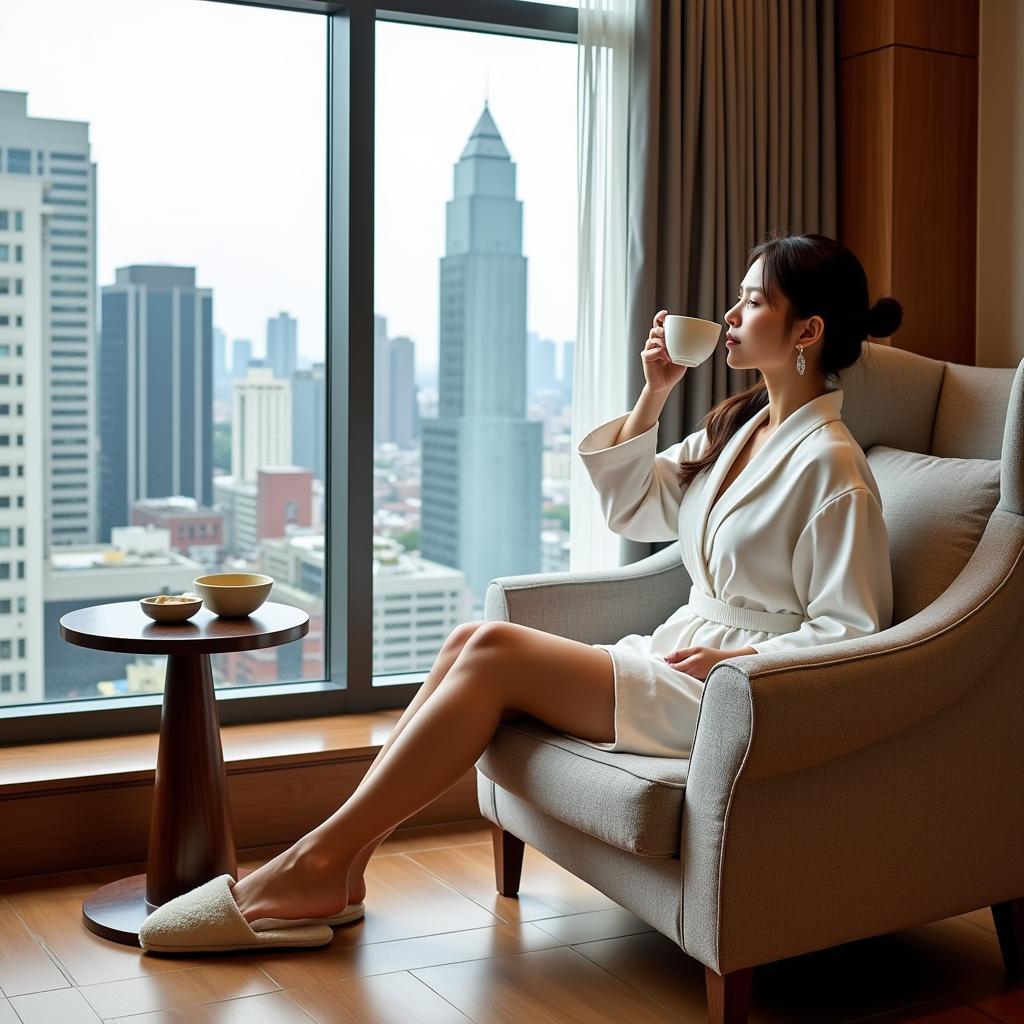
x: 568, y: 349
x: 156, y: 390
x: 57, y: 153
x: 261, y: 433
x: 481, y: 456
x: 395, y: 415
x: 309, y: 420
x: 241, y: 355
x: 282, y: 345
x: 23, y: 466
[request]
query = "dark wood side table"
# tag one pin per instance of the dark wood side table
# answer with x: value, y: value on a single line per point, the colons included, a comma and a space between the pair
x: 190, y: 836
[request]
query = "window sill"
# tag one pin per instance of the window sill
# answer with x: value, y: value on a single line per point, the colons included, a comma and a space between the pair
x: 86, y: 803
x: 71, y: 764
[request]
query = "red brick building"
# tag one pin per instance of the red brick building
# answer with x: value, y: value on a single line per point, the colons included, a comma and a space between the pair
x: 194, y: 528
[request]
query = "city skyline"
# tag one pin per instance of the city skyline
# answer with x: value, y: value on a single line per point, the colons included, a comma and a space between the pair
x: 157, y: 359
x: 183, y: 491
x: 202, y: 149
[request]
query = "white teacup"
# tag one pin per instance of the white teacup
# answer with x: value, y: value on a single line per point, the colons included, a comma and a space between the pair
x: 690, y: 340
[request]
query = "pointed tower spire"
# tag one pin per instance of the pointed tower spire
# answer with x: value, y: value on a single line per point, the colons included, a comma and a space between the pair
x: 486, y: 139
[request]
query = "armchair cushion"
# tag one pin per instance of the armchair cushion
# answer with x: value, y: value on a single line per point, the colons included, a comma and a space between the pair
x: 935, y: 512
x: 631, y: 801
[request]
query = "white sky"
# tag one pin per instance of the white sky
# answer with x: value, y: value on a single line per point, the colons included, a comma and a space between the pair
x: 207, y: 123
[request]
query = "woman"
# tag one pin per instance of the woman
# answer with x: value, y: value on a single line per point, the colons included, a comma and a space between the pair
x: 783, y: 539
x: 783, y: 536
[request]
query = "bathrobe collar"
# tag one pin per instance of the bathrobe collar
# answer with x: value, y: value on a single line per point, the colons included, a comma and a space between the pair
x: 765, y: 463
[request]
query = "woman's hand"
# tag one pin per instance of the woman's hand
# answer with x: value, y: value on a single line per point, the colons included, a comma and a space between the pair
x: 699, y: 661
x: 660, y: 372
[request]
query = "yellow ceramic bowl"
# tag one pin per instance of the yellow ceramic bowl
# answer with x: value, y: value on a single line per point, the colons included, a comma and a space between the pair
x: 233, y: 594
x: 169, y: 612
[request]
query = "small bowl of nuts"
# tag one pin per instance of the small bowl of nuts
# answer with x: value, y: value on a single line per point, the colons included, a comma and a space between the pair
x: 171, y: 607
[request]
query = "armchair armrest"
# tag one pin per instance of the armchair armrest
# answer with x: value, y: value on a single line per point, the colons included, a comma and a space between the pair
x: 790, y: 710
x: 597, y: 606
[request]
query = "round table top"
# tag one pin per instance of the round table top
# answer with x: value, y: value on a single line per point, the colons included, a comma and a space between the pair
x: 124, y: 627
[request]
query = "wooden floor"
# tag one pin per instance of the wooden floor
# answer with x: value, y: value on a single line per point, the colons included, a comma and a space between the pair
x: 438, y: 945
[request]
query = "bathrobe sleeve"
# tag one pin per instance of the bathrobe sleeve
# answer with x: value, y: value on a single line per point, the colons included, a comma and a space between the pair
x: 842, y: 574
x: 638, y: 486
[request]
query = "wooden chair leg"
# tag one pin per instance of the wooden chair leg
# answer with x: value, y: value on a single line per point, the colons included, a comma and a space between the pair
x: 1009, y: 922
x: 728, y: 995
x: 508, y: 860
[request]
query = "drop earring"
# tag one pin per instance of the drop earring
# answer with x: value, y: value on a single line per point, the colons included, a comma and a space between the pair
x: 801, y: 363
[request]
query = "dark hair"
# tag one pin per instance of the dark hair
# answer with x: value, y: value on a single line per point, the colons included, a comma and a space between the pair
x: 820, y: 277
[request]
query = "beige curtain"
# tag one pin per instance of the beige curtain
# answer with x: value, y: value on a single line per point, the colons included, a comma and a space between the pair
x: 604, y: 80
x: 732, y: 133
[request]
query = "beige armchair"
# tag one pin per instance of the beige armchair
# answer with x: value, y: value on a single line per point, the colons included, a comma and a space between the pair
x: 836, y: 792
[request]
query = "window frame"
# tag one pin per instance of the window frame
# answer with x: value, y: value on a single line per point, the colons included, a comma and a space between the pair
x: 348, y: 628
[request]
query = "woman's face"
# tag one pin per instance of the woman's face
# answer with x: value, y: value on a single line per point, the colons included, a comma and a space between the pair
x: 758, y: 327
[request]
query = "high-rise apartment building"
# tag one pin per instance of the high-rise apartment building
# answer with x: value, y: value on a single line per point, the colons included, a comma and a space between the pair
x: 156, y: 390
x: 56, y: 153
x: 24, y: 316
x: 261, y: 433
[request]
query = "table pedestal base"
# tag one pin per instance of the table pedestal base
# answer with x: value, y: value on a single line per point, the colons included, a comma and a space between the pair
x: 117, y: 910
x: 190, y: 838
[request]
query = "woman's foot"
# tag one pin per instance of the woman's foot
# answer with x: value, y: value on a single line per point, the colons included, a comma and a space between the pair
x: 297, y: 883
x: 356, y: 890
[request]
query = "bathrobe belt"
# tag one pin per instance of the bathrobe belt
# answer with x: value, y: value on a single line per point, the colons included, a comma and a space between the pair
x: 713, y: 609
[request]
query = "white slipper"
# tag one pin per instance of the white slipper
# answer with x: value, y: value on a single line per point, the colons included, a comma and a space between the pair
x: 353, y: 912
x: 207, y: 920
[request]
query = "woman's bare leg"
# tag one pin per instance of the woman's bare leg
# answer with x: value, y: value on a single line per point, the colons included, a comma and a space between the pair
x: 504, y: 666
x: 450, y: 650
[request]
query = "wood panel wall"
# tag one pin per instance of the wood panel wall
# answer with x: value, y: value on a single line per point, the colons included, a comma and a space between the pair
x: 908, y: 150
x: 86, y: 803
x: 99, y: 824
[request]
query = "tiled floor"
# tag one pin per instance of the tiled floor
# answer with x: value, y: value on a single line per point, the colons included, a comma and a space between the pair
x: 439, y: 946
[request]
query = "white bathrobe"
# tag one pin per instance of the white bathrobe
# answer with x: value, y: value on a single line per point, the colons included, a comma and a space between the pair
x: 795, y: 553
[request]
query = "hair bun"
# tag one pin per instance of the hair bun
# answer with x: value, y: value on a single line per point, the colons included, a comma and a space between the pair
x: 884, y: 317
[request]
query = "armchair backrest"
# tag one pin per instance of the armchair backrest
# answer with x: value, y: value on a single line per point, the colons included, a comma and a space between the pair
x: 946, y: 445
x: 919, y: 404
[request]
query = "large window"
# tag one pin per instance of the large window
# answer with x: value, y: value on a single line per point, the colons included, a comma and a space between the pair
x: 170, y: 177
x: 475, y: 306
x: 190, y: 192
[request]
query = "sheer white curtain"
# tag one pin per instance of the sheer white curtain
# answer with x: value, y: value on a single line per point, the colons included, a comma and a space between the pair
x: 605, y: 49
